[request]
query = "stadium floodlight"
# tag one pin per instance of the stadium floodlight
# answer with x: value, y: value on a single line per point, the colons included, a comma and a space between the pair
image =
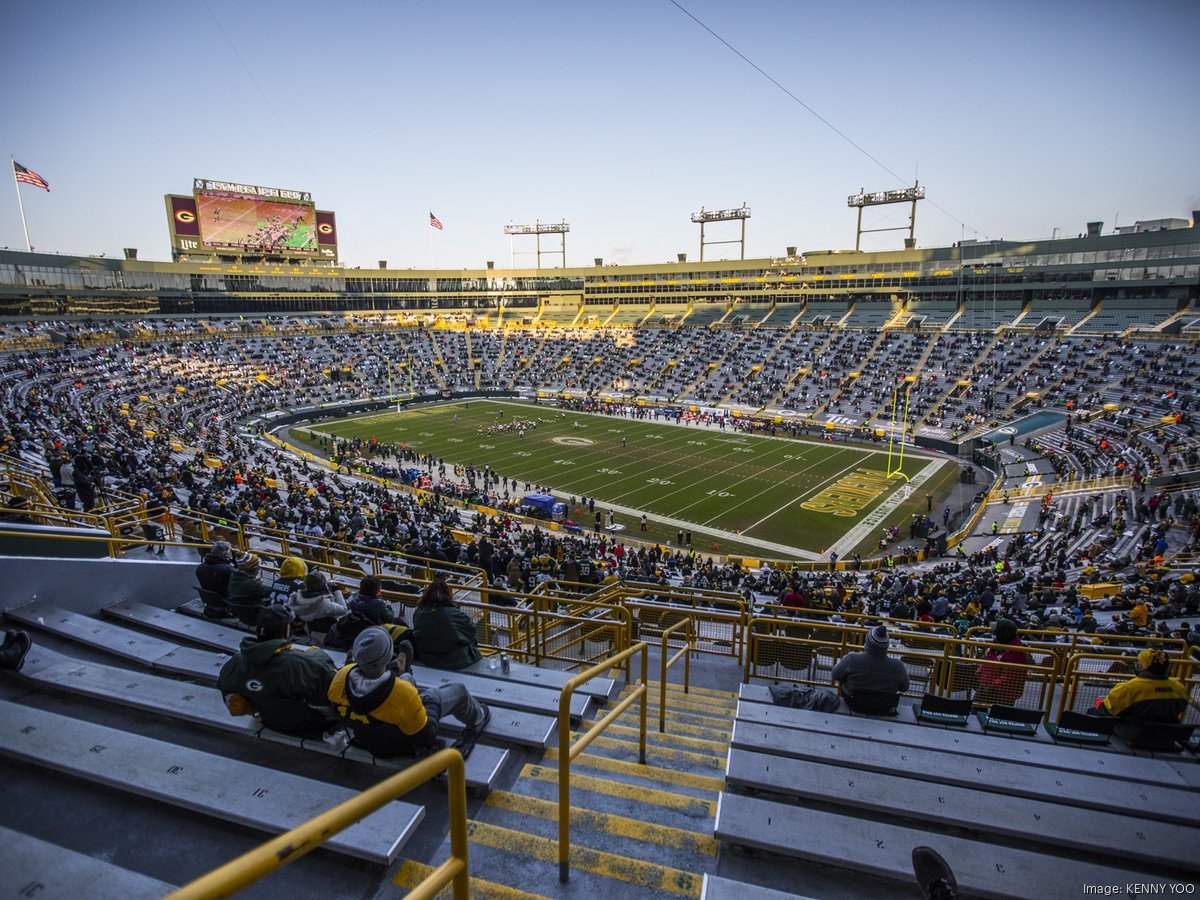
x: 721, y: 215
x: 880, y: 198
x: 537, y: 230
x: 559, y: 228
x: 741, y: 213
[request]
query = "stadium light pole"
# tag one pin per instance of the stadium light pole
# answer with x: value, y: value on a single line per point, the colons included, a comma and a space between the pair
x: 882, y: 198
x: 537, y: 230
x: 742, y: 213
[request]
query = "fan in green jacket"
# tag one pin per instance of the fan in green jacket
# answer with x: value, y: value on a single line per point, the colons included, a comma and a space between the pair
x: 443, y: 635
x: 248, y: 593
x: 287, y: 686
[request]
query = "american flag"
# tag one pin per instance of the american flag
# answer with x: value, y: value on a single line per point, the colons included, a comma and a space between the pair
x: 29, y: 176
x: 435, y: 222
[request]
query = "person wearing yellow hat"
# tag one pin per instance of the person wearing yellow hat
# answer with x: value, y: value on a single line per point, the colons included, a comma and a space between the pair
x: 1151, y: 696
x: 290, y: 579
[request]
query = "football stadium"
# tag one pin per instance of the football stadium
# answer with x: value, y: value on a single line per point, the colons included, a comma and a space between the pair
x: 675, y: 511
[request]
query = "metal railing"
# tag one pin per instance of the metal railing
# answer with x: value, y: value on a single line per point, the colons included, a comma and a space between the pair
x: 685, y: 652
x: 567, y: 751
x: 274, y: 854
x: 807, y: 651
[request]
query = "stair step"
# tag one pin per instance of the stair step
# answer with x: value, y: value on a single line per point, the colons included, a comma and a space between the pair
x: 410, y: 874
x: 721, y: 735
x: 688, y: 716
x: 661, y: 755
x: 677, y: 700
x: 677, y: 809
x: 635, y: 769
x: 604, y: 825
x: 526, y: 851
x: 654, y: 736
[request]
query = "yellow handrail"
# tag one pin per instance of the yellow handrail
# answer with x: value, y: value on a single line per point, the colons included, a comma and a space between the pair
x: 568, y: 751
x: 685, y: 652
x: 274, y: 854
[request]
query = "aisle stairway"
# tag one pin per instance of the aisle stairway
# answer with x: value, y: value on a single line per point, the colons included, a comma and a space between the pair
x: 636, y: 830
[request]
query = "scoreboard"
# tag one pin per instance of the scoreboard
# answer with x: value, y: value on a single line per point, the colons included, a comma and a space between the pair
x: 233, y: 219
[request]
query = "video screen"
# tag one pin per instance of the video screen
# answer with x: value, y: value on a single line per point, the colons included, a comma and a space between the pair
x: 256, y: 224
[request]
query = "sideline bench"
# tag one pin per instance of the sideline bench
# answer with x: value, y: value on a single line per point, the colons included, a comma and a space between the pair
x: 505, y: 690
x: 1046, y: 755
x: 868, y: 845
x: 1120, y: 835
x: 37, y: 868
x: 202, y: 706
x: 1015, y: 778
x: 514, y: 725
x: 231, y: 790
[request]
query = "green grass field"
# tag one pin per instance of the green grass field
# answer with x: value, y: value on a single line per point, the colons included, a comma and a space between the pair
x: 745, y: 493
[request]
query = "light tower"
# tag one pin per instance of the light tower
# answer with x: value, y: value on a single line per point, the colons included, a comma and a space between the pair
x: 905, y: 195
x: 722, y: 215
x: 537, y: 230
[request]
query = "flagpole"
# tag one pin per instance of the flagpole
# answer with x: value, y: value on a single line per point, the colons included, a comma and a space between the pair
x: 431, y: 265
x: 21, y: 206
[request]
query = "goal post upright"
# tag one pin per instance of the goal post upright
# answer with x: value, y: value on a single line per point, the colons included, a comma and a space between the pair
x: 898, y: 470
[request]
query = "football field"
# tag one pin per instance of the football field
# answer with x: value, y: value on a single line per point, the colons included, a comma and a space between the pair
x: 776, y: 497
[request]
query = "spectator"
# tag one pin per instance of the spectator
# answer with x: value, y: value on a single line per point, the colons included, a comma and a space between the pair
x: 213, y: 576
x: 443, y: 635
x: 286, y: 686
x: 387, y: 714
x: 516, y: 575
x: 1003, y: 683
x: 872, y: 681
x: 316, y: 604
x: 247, y: 592
x: 369, y: 602
x: 1140, y: 614
x: 14, y: 649
x: 1150, y: 696
x: 292, y: 572
x: 17, y: 511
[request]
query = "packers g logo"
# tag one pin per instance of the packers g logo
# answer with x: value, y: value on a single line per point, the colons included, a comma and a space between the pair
x: 325, y: 228
x: 186, y: 216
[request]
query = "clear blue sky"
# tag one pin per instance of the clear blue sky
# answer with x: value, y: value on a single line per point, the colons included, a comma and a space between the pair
x: 622, y: 117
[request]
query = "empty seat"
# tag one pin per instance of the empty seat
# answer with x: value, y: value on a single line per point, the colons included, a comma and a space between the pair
x: 942, y: 711
x: 1080, y: 728
x: 1010, y: 720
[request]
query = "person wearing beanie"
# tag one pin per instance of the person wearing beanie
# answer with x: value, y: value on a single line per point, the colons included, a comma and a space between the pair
x: 316, y: 604
x: 1151, y: 696
x: 285, y: 685
x: 213, y: 577
x: 872, y: 681
x: 292, y: 572
x: 387, y: 714
x: 247, y: 592
x: 1002, y: 679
